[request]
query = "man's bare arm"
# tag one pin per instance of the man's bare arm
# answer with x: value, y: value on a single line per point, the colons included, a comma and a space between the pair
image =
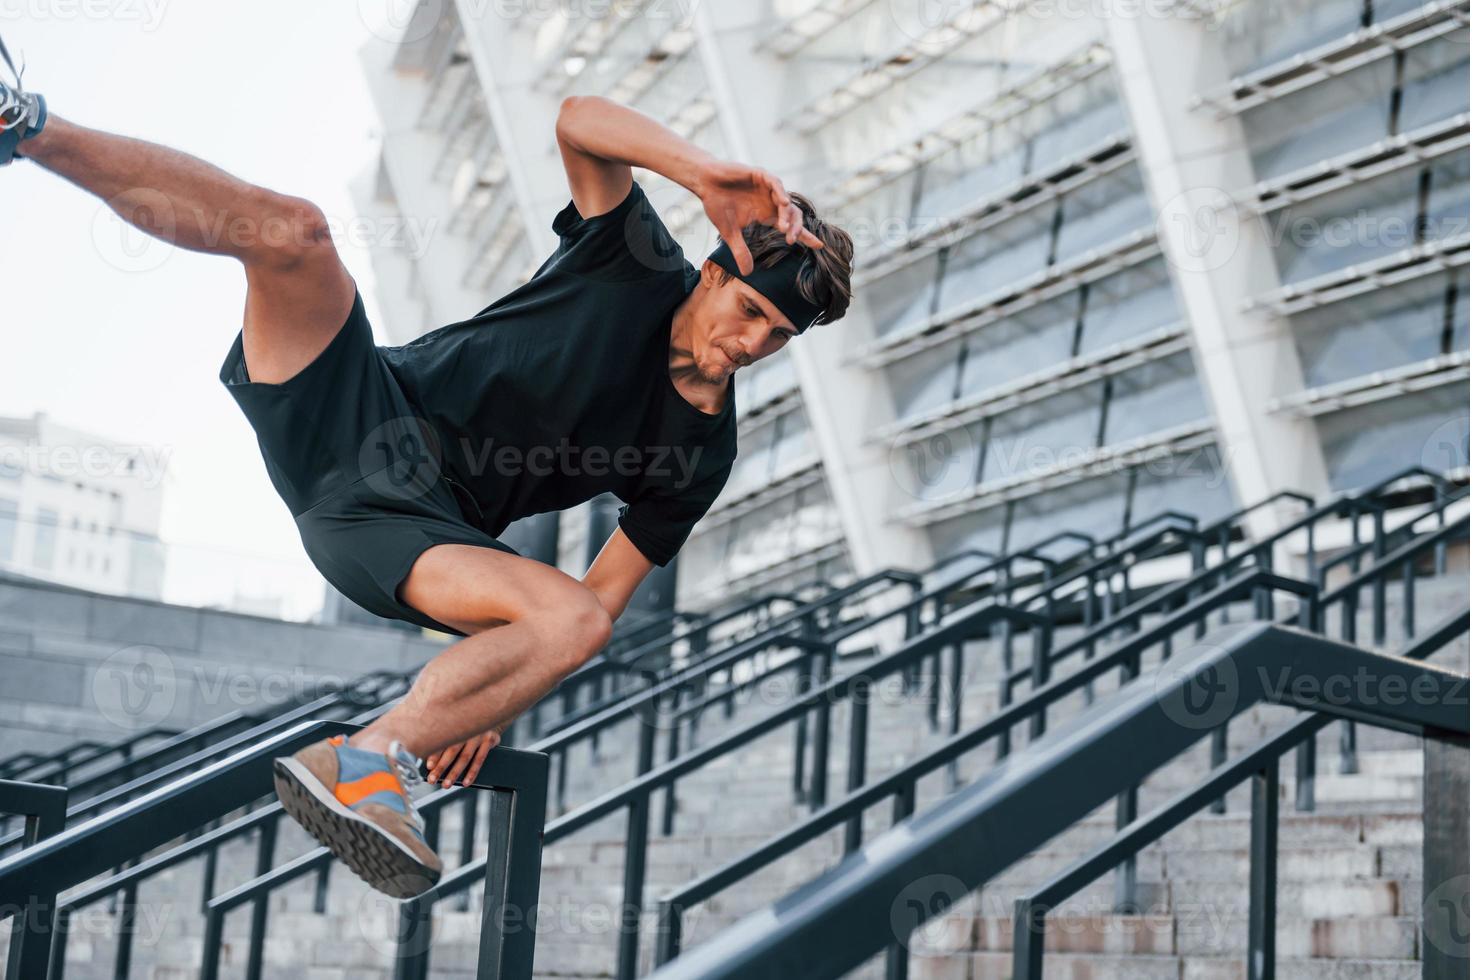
x: 601, y: 141
x: 616, y: 573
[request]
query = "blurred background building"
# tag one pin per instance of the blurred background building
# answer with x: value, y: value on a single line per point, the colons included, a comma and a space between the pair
x: 79, y: 509
x: 1099, y: 275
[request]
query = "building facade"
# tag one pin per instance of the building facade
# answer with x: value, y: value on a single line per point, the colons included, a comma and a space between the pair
x: 81, y: 510
x: 1113, y: 259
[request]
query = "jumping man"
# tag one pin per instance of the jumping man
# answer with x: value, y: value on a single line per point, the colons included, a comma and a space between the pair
x: 609, y: 370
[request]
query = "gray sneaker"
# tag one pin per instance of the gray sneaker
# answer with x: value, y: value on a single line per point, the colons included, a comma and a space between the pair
x: 22, y: 113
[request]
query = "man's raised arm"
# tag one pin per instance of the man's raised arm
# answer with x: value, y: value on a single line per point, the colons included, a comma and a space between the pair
x: 602, y: 140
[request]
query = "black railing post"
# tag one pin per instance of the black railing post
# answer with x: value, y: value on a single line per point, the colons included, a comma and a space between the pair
x: 516, y: 819
x: 857, y: 756
x: 635, y: 850
x: 265, y: 856
x: 35, y: 928
x: 821, y: 734
x: 1261, y: 955
x: 1029, y: 940
x: 1445, y: 940
x: 670, y: 934
x: 415, y: 930
x: 954, y: 695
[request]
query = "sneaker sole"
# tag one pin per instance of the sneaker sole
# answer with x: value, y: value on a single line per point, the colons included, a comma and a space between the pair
x: 376, y: 856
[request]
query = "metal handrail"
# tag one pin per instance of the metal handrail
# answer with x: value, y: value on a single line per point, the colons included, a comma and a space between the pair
x: 1032, y: 909
x: 82, y: 851
x: 900, y: 785
x: 44, y: 808
x: 844, y: 917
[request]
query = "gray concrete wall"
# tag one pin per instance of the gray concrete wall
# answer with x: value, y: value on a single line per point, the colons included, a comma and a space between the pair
x: 76, y: 664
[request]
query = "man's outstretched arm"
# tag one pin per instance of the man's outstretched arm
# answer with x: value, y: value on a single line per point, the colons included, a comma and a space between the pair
x: 616, y: 573
x: 602, y: 140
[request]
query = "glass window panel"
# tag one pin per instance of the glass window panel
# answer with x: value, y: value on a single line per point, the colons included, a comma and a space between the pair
x: 1358, y: 224
x: 1460, y: 339
x: 1263, y: 33
x: 794, y: 443
x: 1364, y: 445
x: 1321, y: 121
x: 43, y: 552
x: 1103, y: 211
x: 1449, y: 197
x: 926, y: 381
x: 1379, y: 330
x: 1154, y: 397
x: 752, y: 468
x: 936, y: 468
x: 1093, y: 507
x: 1194, y: 483
x: 9, y: 521
x: 1128, y: 304
x: 983, y: 530
x: 1053, y: 432
x: 1031, y: 340
x: 966, y: 176
x: 901, y: 299
x: 1436, y: 78
x: 1077, y: 132
x: 1386, y: 10
x: 982, y: 264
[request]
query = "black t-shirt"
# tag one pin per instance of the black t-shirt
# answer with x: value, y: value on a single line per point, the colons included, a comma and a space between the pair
x: 560, y: 390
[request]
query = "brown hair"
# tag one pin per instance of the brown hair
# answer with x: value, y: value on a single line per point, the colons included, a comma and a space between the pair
x: 825, y: 278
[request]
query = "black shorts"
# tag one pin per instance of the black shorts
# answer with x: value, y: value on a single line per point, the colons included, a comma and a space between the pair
x: 357, y: 467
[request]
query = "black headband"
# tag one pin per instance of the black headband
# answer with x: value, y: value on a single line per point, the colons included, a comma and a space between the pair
x: 776, y: 283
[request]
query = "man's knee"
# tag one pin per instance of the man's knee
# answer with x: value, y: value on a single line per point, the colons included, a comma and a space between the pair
x: 583, y: 624
x: 287, y: 233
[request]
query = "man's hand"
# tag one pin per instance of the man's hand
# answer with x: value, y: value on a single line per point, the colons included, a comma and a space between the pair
x: 470, y: 753
x: 734, y: 195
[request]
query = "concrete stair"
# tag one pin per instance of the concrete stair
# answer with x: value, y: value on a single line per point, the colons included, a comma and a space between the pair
x: 1349, y: 872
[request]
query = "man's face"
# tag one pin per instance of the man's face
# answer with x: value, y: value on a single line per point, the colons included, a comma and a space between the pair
x: 738, y: 328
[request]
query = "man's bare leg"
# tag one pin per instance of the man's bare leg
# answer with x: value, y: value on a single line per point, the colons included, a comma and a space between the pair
x: 529, y: 626
x: 298, y: 292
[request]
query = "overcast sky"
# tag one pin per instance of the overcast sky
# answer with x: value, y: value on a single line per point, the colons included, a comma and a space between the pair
x: 269, y: 90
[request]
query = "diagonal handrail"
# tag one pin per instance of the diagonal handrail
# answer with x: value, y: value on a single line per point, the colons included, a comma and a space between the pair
x: 840, y: 920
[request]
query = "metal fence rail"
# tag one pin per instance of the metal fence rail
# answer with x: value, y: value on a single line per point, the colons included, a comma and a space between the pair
x: 843, y: 918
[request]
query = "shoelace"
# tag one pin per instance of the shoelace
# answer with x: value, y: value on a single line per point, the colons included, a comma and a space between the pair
x: 408, y: 775
x: 19, y: 75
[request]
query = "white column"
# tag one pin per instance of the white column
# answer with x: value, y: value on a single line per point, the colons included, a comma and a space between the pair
x: 835, y: 395
x: 523, y: 116
x: 1194, y: 161
x: 409, y: 154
